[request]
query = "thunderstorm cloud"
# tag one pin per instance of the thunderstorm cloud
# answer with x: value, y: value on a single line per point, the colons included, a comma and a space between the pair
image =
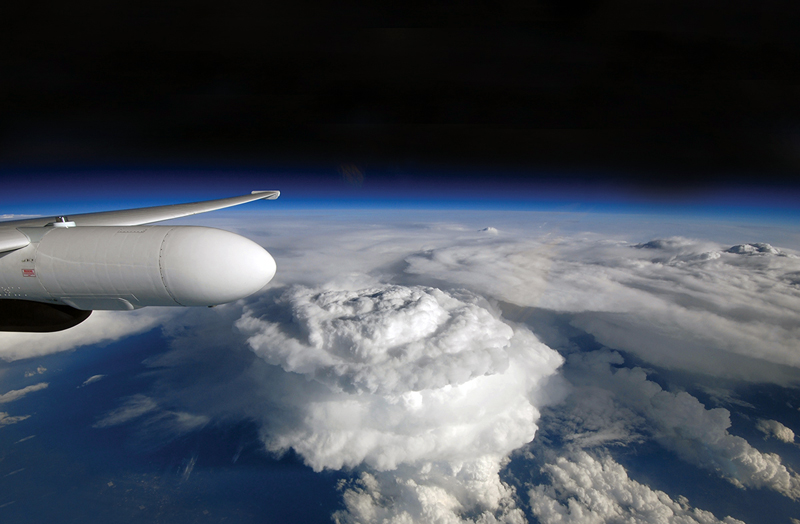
x: 431, y: 390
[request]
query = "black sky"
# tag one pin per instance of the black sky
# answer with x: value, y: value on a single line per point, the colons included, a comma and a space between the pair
x: 680, y: 94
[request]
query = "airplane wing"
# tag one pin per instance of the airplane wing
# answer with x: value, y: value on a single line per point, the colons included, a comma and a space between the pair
x: 11, y: 239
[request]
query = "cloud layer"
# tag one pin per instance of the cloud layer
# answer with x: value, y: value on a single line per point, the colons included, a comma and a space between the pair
x: 675, y: 302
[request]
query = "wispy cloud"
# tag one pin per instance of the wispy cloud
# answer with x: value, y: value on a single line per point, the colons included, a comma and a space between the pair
x: 91, y: 380
x: 6, y: 420
x: 101, y: 327
x: 151, y: 415
x: 16, y: 394
x: 12, y: 216
x: 134, y: 407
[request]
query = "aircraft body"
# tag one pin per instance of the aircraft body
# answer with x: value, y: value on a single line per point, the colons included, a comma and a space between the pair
x: 54, y: 271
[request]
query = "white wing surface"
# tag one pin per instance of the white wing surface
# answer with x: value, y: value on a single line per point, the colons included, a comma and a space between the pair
x: 11, y: 239
x: 145, y: 215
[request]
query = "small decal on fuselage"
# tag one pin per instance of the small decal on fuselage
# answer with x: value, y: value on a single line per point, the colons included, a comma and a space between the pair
x: 28, y: 272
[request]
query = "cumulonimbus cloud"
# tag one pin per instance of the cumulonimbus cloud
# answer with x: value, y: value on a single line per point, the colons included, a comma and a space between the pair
x: 429, y: 385
x: 386, y: 339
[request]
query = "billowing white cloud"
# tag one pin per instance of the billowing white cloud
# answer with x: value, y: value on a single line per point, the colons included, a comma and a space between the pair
x: 386, y: 339
x: 472, y: 493
x: 773, y: 428
x: 701, y: 437
x: 618, y: 405
x: 757, y: 248
x: 430, y: 390
x: 16, y: 394
x: 589, y: 490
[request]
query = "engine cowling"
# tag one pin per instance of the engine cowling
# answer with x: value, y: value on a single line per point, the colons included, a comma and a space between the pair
x: 130, y: 267
x: 37, y: 317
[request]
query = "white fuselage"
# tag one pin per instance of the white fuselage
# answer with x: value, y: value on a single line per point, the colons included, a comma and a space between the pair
x: 109, y: 267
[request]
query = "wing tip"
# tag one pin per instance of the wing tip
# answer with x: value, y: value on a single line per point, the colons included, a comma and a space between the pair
x: 272, y: 196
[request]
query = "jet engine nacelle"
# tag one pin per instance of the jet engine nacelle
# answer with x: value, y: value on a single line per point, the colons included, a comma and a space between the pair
x: 130, y: 267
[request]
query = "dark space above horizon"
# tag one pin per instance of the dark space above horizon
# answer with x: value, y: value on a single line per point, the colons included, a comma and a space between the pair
x: 679, y: 94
